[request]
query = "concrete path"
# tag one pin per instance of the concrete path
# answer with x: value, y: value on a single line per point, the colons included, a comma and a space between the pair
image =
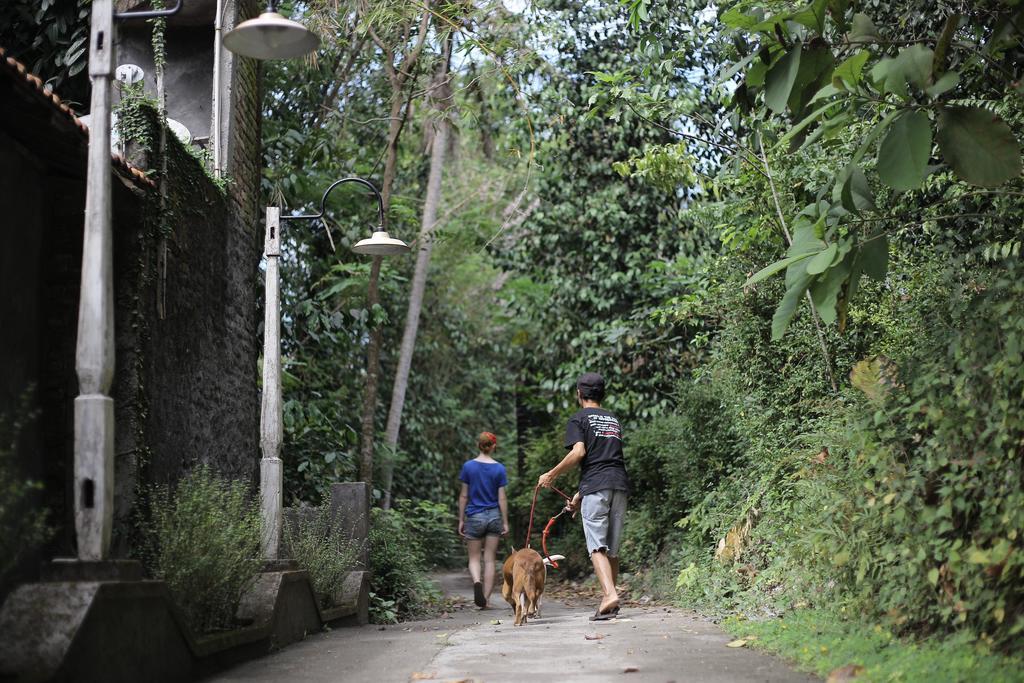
x: 654, y: 644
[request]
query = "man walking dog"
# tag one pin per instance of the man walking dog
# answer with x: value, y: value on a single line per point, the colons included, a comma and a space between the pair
x: 594, y: 440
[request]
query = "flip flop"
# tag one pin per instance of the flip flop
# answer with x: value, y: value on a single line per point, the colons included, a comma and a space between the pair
x: 605, y: 616
x: 478, y: 595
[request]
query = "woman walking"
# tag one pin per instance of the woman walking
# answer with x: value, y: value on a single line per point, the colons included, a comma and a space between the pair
x: 483, y: 513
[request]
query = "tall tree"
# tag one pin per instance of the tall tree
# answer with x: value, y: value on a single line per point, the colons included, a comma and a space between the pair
x: 400, y: 57
x: 438, y: 131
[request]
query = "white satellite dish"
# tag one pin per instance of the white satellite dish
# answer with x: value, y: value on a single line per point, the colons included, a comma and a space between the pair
x: 180, y: 131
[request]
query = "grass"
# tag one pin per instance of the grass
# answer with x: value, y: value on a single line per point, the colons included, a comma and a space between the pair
x: 820, y: 641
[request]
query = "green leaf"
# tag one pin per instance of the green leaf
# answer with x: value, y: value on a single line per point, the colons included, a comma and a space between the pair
x: 812, y: 16
x: 874, y: 256
x: 904, y: 152
x: 933, y: 576
x: 770, y: 270
x: 854, y: 191
x: 863, y: 29
x: 978, y: 146
x: 780, y: 79
x: 946, y: 82
x: 850, y: 69
x: 807, y: 121
x: 822, y: 260
x: 825, y: 289
x: 915, y: 63
x: 790, y: 302
x: 733, y: 18
x: 912, y: 66
x: 756, y: 74
x: 815, y: 70
x: 735, y: 68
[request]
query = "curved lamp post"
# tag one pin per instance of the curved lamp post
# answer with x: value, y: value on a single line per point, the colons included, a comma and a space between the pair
x: 272, y: 408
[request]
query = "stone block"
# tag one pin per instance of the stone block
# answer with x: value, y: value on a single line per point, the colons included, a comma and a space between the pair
x: 86, y: 631
x: 350, y: 511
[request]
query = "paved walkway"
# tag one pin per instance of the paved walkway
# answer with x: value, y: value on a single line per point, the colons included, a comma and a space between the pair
x: 652, y: 644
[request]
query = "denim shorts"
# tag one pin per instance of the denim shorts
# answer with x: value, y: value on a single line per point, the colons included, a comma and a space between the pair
x: 486, y: 523
x: 604, y: 513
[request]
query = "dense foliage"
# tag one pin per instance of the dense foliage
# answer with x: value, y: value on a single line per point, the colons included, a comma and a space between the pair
x: 203, y: 540
x: 877, y: 461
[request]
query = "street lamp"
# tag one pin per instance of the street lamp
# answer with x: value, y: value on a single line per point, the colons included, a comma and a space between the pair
x: 94, y: 346
x: 271, y: 36
x: 272, y: 408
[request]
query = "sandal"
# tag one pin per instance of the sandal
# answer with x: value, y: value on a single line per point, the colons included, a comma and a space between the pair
x: 478, y: 595
x: 605, y: 616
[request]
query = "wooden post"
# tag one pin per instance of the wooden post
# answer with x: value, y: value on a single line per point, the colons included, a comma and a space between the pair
x: 94, y: 354
x: 271, y: 419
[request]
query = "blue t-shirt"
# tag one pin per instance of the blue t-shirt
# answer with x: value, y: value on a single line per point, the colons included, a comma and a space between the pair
x: 484, y: 480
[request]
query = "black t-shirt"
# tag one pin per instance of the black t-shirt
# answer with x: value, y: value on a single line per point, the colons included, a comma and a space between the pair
x: 603, y: 466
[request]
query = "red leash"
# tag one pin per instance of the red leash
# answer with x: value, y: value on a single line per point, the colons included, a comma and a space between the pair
x: 544, y: 534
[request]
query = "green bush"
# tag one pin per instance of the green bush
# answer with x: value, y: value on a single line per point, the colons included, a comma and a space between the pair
x: 322, y: 549
x: 399, y: 587
x: 203, y: 540
x: 933, y: 536
x: 434, y: 528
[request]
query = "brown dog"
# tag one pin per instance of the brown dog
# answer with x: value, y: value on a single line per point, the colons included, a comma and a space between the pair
x: 524, y: 573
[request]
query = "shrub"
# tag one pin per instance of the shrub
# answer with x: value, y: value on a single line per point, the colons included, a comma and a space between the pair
x: 322, y: 549
x: 433, y: 526
x: 203, y: 540
x: 399, y: 587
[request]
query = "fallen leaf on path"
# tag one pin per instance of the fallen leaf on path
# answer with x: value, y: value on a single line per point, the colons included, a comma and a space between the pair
x: 495, y: 622
x: 739, y: 642
x: 593, y: 636
x: 441, y: 635
x: 421, y: 676
x: 630, y: 670
x: 845, y: 673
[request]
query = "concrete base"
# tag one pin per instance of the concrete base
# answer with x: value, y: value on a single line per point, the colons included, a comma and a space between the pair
x: 98, y: 621
x: 71, y: 569
x: 93, y: 631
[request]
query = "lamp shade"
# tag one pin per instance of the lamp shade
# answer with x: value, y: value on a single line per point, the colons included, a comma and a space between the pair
x: 271, y: 36
x: 380, y: 244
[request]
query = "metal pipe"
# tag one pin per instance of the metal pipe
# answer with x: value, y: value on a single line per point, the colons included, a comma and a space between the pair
x: 215, y: 131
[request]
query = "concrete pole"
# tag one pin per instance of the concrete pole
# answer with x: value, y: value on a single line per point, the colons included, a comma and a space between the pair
x: 94, y: 354
x: 271, y: 419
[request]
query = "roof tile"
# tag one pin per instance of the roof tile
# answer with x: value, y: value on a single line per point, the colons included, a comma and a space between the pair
x: 23, y: 75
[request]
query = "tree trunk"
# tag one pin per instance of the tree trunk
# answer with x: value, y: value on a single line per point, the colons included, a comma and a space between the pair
x: 438, y: 152
x: 372, y: 377
x: 398, y: 77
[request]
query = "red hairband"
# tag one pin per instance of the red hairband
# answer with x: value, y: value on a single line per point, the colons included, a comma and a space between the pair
x: 490, y: 436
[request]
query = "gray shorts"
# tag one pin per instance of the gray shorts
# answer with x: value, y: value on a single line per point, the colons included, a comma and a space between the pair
x: 603, y: 515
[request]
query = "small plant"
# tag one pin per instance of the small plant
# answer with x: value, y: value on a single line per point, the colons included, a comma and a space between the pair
x: 398, y: 584
x: 323, y: 550
x: 203, y: 540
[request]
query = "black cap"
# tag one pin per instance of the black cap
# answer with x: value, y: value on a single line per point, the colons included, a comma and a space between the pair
x: 591, y: 384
